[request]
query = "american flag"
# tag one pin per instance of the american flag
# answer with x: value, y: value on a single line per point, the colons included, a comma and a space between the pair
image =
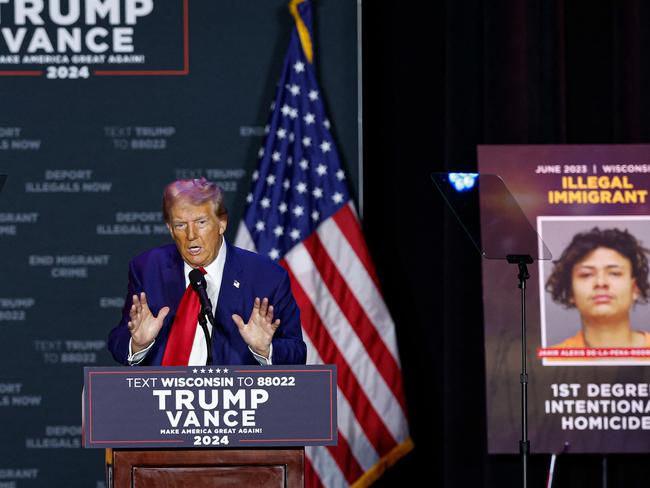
x: 300, y: 214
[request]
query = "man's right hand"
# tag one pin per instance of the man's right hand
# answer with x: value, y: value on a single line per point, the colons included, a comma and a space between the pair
x: 144, y: 326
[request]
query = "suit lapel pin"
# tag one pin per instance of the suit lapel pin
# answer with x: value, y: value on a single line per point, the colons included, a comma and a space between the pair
x: 235, y: 284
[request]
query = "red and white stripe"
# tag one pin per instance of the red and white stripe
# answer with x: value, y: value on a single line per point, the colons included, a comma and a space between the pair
x: 345, y: 322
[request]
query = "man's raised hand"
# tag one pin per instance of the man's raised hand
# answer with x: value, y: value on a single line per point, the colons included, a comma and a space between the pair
x: 143, y: 324
x: 259, y: 330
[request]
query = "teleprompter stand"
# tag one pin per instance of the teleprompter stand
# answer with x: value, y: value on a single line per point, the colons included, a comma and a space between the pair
x: 483, y: 202
x: 522, y: 261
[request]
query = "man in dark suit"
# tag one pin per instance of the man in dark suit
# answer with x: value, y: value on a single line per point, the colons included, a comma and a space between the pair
x: 239, y: 282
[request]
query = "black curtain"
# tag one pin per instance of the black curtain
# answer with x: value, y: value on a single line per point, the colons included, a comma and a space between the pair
x: 438, y: 79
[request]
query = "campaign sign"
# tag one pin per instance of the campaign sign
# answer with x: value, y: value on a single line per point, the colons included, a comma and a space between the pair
x: 588, y: 310
x: 79, y: 39
x: 210, y: 406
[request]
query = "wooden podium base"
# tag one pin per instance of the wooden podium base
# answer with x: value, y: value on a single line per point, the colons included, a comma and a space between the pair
x: 203, y: 468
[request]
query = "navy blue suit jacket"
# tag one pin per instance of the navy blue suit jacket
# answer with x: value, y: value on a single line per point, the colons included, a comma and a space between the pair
x: 159, y: 273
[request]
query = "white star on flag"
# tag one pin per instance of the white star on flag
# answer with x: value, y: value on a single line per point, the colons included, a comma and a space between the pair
x: 282, y: 207
x: 278, y: 231
x: 260, y: 225
x: 301, y: 187
x: 274, y: 254
x: 282, y: 133
x: 270, y: 179
x: 304, y: 164
x: 276, y: 156
x: 265, y: 202
x: 299, y: 67
x: 298, y: 211
x: 306, y: 141
x: 340, y: 175
x: 309, y: 119
x: 337, y: 197
x: 313, y: 95
x: 325, y: 146
x: 317, y: 192
x: 321, y: 170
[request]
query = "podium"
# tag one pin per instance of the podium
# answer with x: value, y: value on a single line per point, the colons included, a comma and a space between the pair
x: 206, y: 468
x: 167, y: 427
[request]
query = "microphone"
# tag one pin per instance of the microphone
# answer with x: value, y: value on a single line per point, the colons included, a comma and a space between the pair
x: 200, y: 286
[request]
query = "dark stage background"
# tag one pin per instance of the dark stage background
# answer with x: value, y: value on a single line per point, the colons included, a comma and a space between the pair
x: 440, y: 78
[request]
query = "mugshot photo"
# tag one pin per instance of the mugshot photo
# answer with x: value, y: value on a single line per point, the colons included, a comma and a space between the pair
x: 594, y: 292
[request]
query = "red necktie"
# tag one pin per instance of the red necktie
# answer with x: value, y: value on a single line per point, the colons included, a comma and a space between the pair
x: 181, y: 337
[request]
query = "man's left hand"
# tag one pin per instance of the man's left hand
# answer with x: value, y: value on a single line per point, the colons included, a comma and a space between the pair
x: 259, y: 330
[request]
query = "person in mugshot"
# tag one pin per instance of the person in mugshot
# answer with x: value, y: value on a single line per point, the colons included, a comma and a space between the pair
x: 602, y: 273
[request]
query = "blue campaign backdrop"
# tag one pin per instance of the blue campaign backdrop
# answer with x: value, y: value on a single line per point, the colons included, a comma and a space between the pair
x: 100, y: 109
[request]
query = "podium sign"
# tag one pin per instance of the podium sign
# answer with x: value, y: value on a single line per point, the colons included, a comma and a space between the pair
x: 225, y: 406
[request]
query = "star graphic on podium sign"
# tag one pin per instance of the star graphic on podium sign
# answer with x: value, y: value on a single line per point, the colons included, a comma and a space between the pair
x: 202, y: 370
x: 210, y: 370
x: 218, y: 370
x: 225, y: 370
x: 195, y: 370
